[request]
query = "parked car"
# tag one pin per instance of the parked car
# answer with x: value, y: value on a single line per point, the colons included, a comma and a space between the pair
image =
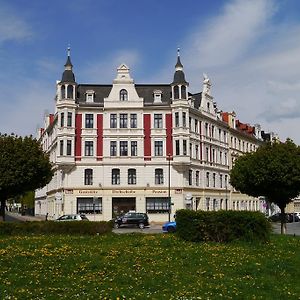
x: 293, y: 217
x: 277, y: 218
x: 169, y: 227
x: 73, y: 217
x: 132, y: 219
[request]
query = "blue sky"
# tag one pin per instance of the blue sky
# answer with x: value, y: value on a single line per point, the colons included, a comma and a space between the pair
x: 250, y: 50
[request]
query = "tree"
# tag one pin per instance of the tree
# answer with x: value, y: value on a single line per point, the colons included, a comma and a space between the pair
x: 23, y: 167
x: 272, y: 171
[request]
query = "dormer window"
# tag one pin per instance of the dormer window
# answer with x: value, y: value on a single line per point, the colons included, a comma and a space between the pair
x: 157, y: 96
x: 123, y: 95
x: 89, y: 96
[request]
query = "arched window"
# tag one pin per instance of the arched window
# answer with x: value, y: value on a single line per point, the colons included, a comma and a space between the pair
x: 183, y: 92
x: 70, y: 92
x: 63, y: 92
x: 176, y: 92
x: 123, y: 95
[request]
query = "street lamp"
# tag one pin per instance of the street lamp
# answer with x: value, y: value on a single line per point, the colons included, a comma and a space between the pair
x: 169, y: 187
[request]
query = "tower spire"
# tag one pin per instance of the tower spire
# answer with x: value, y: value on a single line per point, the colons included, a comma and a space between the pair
x: 68, y: 75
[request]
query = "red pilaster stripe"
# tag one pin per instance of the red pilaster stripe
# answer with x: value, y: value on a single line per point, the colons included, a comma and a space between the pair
x: 78, y: 129
x: 99, y: 136
x: 169, y: 131
x: 147, y: 137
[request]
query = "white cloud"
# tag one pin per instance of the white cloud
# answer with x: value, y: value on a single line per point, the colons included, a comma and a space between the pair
x: 105, y: 69
x: 12, y: 26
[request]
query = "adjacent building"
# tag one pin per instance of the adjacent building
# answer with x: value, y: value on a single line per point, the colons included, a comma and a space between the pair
x: 151, y: 148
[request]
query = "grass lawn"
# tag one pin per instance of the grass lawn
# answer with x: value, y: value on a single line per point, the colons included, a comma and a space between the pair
x: 141, y: 266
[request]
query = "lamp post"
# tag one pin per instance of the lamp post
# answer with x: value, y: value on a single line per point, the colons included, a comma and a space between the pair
x: 169, y: 187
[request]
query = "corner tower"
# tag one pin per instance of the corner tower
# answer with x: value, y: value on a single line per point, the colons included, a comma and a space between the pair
x: 179, y: 84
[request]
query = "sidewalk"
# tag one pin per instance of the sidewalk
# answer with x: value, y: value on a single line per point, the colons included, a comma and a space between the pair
x: 291, y: 228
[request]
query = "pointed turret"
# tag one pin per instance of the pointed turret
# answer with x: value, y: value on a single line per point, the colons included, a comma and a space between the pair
x: 179, y: 77
x: 179, y: 84
x: 68, y: 75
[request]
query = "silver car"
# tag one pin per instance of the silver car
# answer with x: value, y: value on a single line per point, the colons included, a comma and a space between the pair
x: 75, y: 217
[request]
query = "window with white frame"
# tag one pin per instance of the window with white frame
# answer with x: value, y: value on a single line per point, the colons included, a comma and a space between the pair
x: 177, y: 119
x: 113, y: 148
x: 69, y: 147
x: 157, y: 204
x: 158, y: 121
x: 89, y: 205
x: 190, y: 177
x: 123, y: 95
x: 221, y: 180
x: 89, y: 148
x: 184, y: 150
x: 123, y: 148
x: 183, y: 119
x: 157, y: 96
x: 177, y: 147
x: 88, y: 177
x: 207, y: 179
x: 113, y: 120
x: 133, y: 120
x: 197, y: 178
x: 89, y: 96
x: 131, y: 176
x: 196, y: 126
x: 158, y: 148
x: 159, y: 176
x: 62, y: 121
x: 61, y: 147
x: 197, y: 151
x: 123, y: 120
x: 133, y: 146
x: 214, y: 179
x: 89, y: 120
x: 69, y: 119
x: 115, y: 176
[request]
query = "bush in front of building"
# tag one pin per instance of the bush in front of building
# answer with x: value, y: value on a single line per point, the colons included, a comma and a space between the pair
x: 52, y: 227
x: 222, y: 226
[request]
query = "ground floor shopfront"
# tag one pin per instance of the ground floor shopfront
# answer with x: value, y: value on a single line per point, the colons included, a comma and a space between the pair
x: 104, y: 204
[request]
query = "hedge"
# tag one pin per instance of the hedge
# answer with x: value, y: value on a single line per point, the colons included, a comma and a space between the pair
x: 222, y: 226
x: 53, y: 227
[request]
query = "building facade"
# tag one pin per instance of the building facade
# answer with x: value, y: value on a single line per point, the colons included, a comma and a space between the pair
x: 151, y: 148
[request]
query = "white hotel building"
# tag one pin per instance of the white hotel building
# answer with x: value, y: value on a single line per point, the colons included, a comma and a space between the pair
x: 126, y: 146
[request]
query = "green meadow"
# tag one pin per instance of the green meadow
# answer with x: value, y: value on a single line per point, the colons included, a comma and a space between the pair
x: 141, y: 266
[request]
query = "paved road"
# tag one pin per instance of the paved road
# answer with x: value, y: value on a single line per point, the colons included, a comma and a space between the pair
x: 292, y: 228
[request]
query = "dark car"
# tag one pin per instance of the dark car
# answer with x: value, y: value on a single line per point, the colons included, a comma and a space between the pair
x: 277, y: 218
x: 132, y: 219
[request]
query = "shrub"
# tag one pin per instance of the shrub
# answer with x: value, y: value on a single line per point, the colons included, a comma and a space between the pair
x: 222, y: 226
x: 44, y: 227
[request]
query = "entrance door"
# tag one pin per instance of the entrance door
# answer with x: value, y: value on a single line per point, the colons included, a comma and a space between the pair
x: 121, y: 205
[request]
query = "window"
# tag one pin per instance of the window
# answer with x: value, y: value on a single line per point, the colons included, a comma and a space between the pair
x: 123, y: 148
x: 133, y: 148
x: 123, y: 95
x: 221, y: 180
x: 176, y: 119
x: 158, y: 121
x: 131, y: 176
x: 61, y: 147
x: 88, y: 177
x: 207, y: 153
x: 177, y: 147
x: 213, y: 155
x: 69, y: 120
x: 89, y: 97
x: 184, y: 119
x: 184, y: 147
x: 115, y: 176
x: 176, y: 92
x: 197, y: 151
x: 113, y: 148
x: 197, y: 178
x: 190, y: 123
x: 89, y: 205
x: 113, y: 120
x: 89, y: 148
x: 206, y: 129
x: 212, y: 131
x: 190, y: 177
x: 196, y: 126
x: 62, y: 121
x: 208, y: 107
x: 133, y: 120
x: 123, y: 120
x: 157, y: 205
x: 159, y: 176
x: 63, y: 92
x: 69, y: 147
x: 226, y: 181
x: 70, y: 91
x: 214, y: 179
x: 157, y: 96
x: 207, y: 179
x: 89, y: 121
x: 158, y: 148
x: 183, y: 92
